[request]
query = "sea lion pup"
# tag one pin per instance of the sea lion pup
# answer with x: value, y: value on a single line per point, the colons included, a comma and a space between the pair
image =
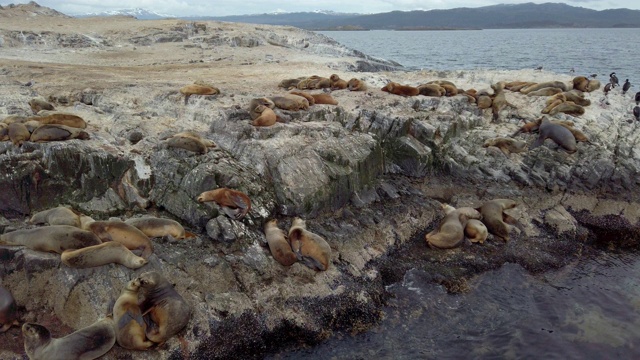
x: 97, y: 255
x: 305, y: 95
x: 337, y: 83
x: 59, y: 118
x: 577, y: 97
x: 90, y: 342
x: 476, y: 231
x: 580, y: 83
x: 124, y: 234
x: 324, y: 99
x: 52, y: 238
x: 493, y: 217
x: 356, y: 85
x: 159, y: 227
x: 290, y: 83
x: 567, y: 107
x: 234, y: 203
x: 310, y: 248
x: 60, y: 215
x: 130, y: 326
x: 548, y: 91
x: 165, y: 311
x: 39, y: 104
x: 18, y: 133
x: 399, y: 89
x: 8, y: 310
x: 499, y: 100
x: 558, y: 133
x: 278, y: 244
x: 538, y: 86
x: 290, y: 102
x: 450, y: 231
x: 431, y: 90
x: 197, y: 89
x: 267, y: 118
x: 45, y: 133
x: 593, y: 85
x: 529, y: 127
x: 506, y: 145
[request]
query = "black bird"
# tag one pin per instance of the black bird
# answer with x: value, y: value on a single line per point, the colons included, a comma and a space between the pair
x: 638, y: 98
x: 594, y: 75
x: 539, y: 68
x: 572, y: 70
x: 636, y: 112
x: 613, y: 79
x: 607, y: 88
x: 626, y: 86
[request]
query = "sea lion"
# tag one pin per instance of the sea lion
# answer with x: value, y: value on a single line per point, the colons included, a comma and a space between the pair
x: 337, y: 83
x: 450, y: 89
x: 190, y: 141
x: 506, y: 145
x: 318, y: 82
x: 32, y: 125
x: 581, y: 83
x: 310, y: 248
x: 124, y: 234
x: 234, y: 203
x: 431, y: 90
x: 60, y: 215
x: 4, y: 132
x: 558, y: 133
x: 267, y: 118
x: 127, y: 315
x: 197, y: 89
x: 538, y: 86
x: 290, y: 83
x: 110, y: 252
x: 259, y: 101
x: 515, y: 86
x: 159, y: 227
x: 46, y: 117
x: 45, y: 133
x: 577, y: 97
x: 567, y: 107
x: 324, y: 99
x: 548, y: 91
x: 399, y: 89
x: 8, y: 310
x: 52, y: 238
x: 493, y: 217
x: 14, y: 118
x: 39, y: 104
x: 579, y: 135
x: 18, y: 133
x: 90, y: 342
x: 442, y: 82
x: 290, y: 102
x: 476, y: 231
x: 356, y: 85
x: 278, y: 244
x: 554, y: 101
x: 593, y: 85
x: 499, y: 100
x: 528, y: 127
x: 305, y: 95
x: 165, y: 311
x: 194, y: 135
x: 450, y: 231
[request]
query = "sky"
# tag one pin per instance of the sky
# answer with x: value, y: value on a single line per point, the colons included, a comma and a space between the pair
x: 241, y: 7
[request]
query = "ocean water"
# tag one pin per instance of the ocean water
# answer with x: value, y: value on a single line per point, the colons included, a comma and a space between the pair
x: 589, y: 309
x: 587, y: 51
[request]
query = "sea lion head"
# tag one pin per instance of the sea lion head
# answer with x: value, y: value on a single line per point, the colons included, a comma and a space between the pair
x: 209, y: 195
x: 35, y: 334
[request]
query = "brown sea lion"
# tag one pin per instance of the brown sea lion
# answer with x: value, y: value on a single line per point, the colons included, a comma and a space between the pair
x: 580, y: 83
x: 310, y: 248
x: 506, y: 145
x: 538, y: 86
x: 290, y: 102
x: 190, y: 141
x: 159, y: 227
x: 194, y: 135
x: 442, y: 82
x: 593, y: 85
x: 399, y: 89
x: 356, y: 85
x: 4, y: 132
x: 267, y: 118
x: 548, y: 91
x: 14, y: 118
x: 337, y: 83
x: 499, y: 101
x: 124, y: 234
x: 110, y: 252
x: 45, y: 133
x: 450, y: 90
x: 234, y: 203
x: 18, y: 133
x: 166, y: 312
x: 60, y: 215
x: 493, y: 217
x: 450, y: 231
x: 324, y: 99
x: 431, y: 90
x: 305, y: 95
x: 555, y: 101
x: 515, y: 86
x: 127, y: 315
x: 558, y: 133
x: 577, y: 97
x: 528, y: 127
x: 290, y: 83
x: 278, y: 244
x: 318, y: 82
x: 196, y: 89
x: 39, y: 104
x: 579, y: 135
x: 52, y: 238
x: 567, y: 107
x: 90, y: 342
x: 46, y: 117
x: 8, y: 310
x: 476, y: 231
x: 259, y: 101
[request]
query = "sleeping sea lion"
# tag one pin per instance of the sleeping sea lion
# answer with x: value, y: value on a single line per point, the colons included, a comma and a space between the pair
x: 310, y: 248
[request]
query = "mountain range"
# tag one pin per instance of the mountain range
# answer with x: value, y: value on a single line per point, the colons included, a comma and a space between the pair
x: 528, y: 15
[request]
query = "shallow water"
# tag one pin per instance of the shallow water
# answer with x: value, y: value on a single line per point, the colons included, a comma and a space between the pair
x: 588, y: 51
x: 587, y: 310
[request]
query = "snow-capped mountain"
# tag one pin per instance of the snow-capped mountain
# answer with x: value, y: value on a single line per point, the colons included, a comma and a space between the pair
x: 138, y: 13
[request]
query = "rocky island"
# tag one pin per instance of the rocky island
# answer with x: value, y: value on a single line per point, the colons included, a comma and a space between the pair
x: 369, y: 175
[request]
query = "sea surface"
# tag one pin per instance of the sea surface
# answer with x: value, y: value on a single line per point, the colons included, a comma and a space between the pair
x: 589, y: 309
x: 587, y: 51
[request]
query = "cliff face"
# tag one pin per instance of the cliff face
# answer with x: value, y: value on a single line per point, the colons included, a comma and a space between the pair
x: 367, y: 174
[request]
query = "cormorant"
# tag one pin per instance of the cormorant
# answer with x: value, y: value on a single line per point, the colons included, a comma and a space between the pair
x: 626, y: 86
x: 607, y: 88
x: 638, y: 98
x: 636, y: 112
x: 613, y: 79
